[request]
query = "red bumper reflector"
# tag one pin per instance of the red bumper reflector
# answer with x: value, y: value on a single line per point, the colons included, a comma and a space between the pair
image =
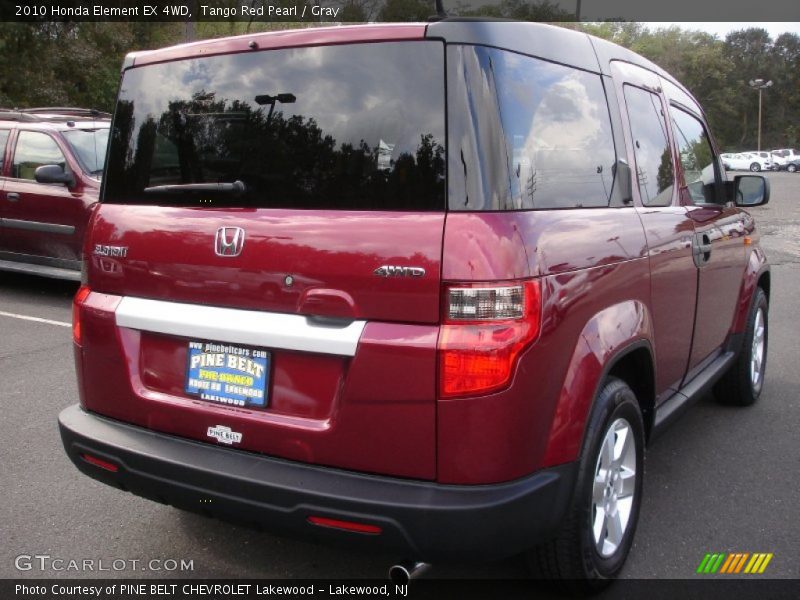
x: 345, y: 525
x: 99, y: 462
x: 80, y: 297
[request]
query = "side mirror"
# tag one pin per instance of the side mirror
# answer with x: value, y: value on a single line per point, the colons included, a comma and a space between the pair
x: 53, y: 174
x: 748, y: 190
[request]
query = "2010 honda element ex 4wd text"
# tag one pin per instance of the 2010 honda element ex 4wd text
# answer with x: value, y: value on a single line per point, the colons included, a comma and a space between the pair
x: 423, y: 288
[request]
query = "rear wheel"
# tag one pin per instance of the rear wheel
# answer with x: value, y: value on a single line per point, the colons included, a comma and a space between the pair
x: 597, y: 533
x: 791, y: 168
x: 742, y: 383
x: 755, y: 167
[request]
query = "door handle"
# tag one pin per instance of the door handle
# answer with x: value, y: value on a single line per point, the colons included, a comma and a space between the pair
x: 705, y: 246
x: 12, y: 196
x: 701, y: 248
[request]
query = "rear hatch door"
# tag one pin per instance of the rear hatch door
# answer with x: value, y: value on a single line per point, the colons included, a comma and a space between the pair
x: 265, y: 265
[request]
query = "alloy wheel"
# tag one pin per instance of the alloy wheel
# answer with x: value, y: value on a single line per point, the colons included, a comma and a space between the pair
x: 757, y: 350
x: 614, y: 487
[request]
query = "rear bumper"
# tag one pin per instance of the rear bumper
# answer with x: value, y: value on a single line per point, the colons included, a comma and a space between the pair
x: 419, y: 520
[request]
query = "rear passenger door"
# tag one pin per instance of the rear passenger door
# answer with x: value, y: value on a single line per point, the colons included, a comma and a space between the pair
x: 720, y: 253
x: 39, y: 218
x: 667, y: 224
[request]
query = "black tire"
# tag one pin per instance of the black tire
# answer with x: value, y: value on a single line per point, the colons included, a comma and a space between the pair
x: 755, y: 167
x: 737, y: 387
x: 572, y: 561
x: 791, y: 168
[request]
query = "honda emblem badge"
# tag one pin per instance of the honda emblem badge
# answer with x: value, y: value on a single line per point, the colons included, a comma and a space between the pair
x: 229, y: 241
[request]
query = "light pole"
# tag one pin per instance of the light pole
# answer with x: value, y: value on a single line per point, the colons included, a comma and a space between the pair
x: 760, y: 85
x: 263, y: 99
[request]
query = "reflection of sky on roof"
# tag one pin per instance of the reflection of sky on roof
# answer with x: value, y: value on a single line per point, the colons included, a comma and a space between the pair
x: 354, y: 92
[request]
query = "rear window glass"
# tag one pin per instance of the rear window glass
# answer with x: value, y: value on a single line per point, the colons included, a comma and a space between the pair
x: 525, y: 133
x: 357, y: 126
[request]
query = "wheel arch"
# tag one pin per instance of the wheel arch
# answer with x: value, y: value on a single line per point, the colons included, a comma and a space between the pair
x: 756, y: 275
x: 635, y: 366
x: 616, y: 341
x: 765, y: 282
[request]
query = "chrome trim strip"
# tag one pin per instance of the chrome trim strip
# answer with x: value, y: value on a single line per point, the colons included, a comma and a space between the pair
x: 248, y: 327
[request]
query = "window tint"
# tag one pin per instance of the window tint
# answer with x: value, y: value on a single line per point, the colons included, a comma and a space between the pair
x: 357, y: 126
x: 33, y: 150
x: 654, y: 168
x: 696, y: 155
x: 4, y: 133
x: 525, y: 133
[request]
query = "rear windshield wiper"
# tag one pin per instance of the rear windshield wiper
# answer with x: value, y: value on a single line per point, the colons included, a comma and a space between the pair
x: 235, y: 188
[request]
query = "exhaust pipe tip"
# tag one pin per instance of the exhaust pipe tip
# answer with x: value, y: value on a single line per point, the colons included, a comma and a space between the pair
x: 402, y: 573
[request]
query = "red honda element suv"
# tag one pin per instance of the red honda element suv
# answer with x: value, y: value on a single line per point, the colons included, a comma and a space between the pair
x: 426, y: 288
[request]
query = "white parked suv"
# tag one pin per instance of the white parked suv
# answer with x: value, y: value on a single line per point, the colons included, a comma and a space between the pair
x: 746, y: 161
x: 766, y: 161
x: 783, y: 156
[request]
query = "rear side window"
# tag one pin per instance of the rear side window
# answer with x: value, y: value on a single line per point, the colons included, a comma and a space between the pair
x: 525, y: 133
x: 358, y: 126
x: 654, y: 167
x: 33, y: 150
x: 4, y: 133
x: 696, y: 155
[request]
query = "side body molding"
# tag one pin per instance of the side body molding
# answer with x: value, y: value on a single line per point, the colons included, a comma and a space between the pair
x: 605, y: 338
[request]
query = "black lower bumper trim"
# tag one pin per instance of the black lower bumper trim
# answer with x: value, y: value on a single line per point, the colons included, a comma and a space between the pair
x: 419, y: 520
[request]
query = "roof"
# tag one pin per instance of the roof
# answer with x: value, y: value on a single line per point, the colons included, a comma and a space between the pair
x: 59, y: 115
x: 556, y: 44
x: 285, y: 38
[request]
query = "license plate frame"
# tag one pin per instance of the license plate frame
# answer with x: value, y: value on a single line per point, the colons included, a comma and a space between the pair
x: 228, y: 374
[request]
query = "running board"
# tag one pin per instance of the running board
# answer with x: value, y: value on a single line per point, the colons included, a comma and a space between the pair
x: 674, y: 406
x: 42, y: 270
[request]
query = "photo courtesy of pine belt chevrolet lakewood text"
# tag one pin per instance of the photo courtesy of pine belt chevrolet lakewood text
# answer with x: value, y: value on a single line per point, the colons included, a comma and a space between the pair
x: 425, y: 289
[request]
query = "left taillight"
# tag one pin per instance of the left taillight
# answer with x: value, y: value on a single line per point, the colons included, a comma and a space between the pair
x: 77, y: 302
x: 484, y: 330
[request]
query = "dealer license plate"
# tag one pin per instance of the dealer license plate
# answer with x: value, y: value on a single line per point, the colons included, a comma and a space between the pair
x: 228, y: 374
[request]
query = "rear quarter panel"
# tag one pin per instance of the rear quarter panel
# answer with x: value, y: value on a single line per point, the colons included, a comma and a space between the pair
x: 595, y: 300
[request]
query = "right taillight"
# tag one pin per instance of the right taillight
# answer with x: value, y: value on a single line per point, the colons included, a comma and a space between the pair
x: 485, y: 328
x: 80, y: 297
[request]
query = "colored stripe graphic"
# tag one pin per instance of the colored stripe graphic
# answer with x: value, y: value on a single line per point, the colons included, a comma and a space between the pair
x: 727, y: 564
x: 718, y: 563
x: 754, y: 563
x: 703, y: 563
x: 766, y: 562
x: 734, y: 562
x: 741, y: 561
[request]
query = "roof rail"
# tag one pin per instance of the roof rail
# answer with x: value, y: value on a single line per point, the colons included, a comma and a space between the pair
x: 10, y: 114
x: 65, y: 110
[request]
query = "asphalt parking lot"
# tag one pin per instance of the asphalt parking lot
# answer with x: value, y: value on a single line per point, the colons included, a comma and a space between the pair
x: 721, y: 480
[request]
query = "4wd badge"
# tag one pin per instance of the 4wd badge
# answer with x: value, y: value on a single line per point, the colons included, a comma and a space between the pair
x: 224, y: 434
